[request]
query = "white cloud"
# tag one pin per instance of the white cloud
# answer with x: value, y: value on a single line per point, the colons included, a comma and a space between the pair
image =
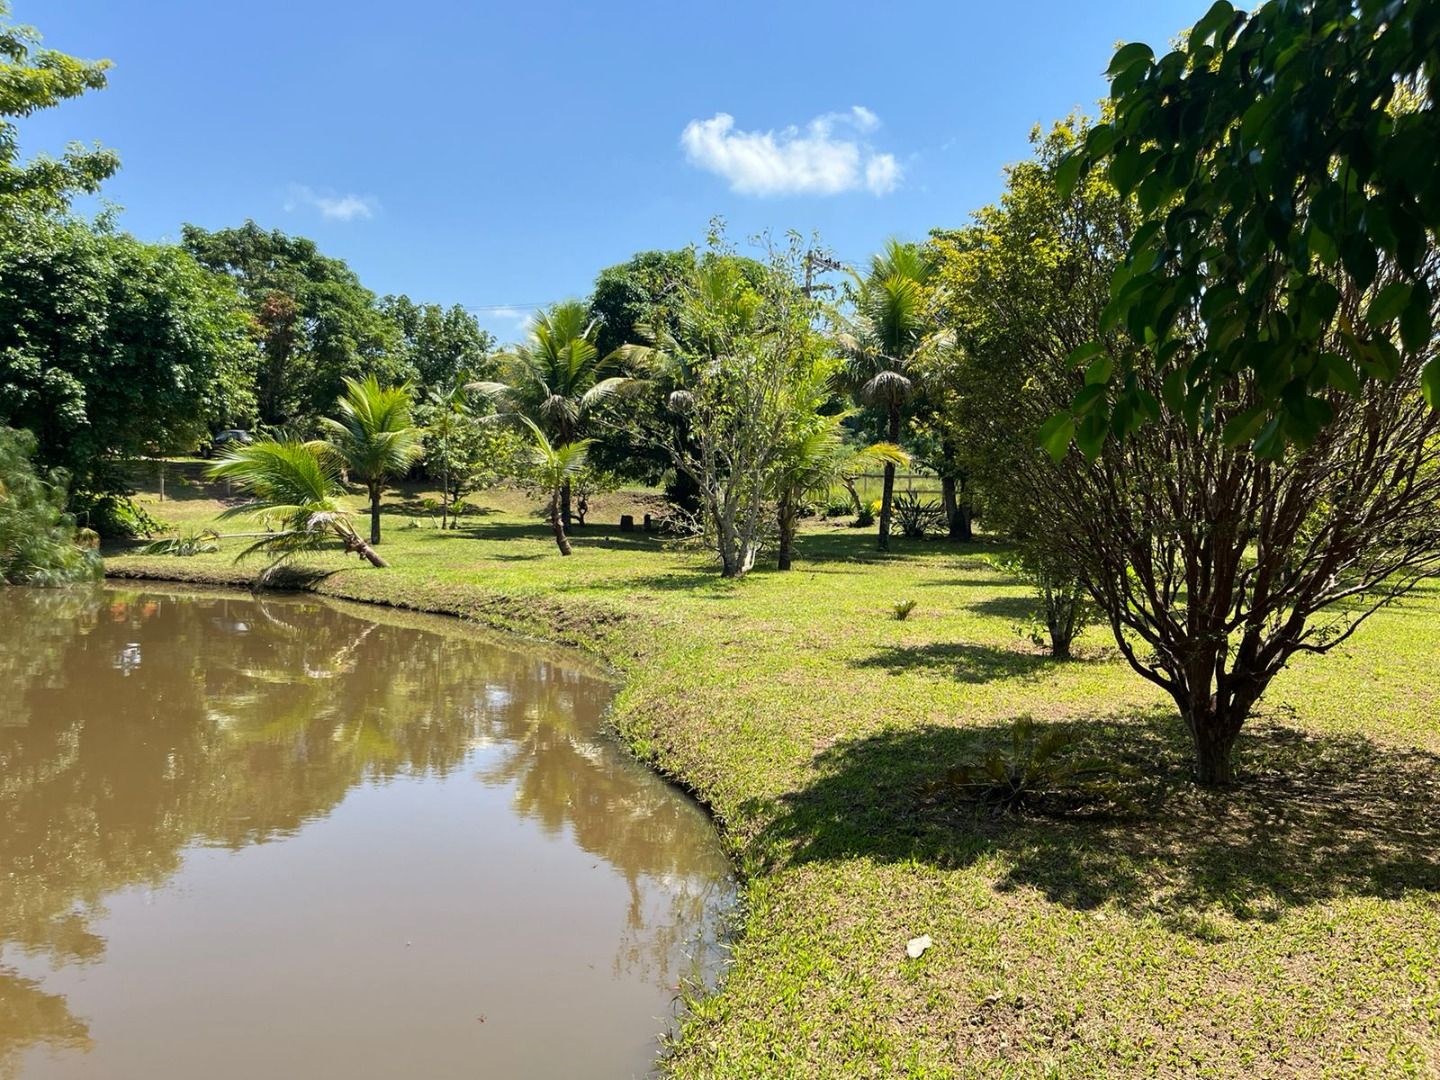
x: 332, y: 207
x: 826, y: 157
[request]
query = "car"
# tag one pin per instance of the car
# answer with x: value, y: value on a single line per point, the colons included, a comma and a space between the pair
x: 227, y: 438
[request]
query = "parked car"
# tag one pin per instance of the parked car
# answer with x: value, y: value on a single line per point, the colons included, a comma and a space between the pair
x: 227, y: 438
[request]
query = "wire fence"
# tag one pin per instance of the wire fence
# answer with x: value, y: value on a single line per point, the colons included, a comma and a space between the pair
x: 869, y: 486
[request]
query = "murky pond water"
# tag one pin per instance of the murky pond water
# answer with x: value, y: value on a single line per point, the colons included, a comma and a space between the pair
x: 274, y: 837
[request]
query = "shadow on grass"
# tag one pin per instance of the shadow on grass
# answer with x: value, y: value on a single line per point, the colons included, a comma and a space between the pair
x: 1313, y: 818
x: 962, y: 661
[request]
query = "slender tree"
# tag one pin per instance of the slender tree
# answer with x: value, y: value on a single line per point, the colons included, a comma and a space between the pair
x: 890, y: 328
x: 554, y: 466
x: 373, y: 438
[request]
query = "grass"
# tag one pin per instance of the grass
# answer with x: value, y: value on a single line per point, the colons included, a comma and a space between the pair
x: 1288, y: 928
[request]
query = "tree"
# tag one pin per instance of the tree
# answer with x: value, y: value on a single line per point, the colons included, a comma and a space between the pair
x: 318, y: 325
x: 436, y: 344
x: 37, y: 538
x: 373, y: 438
x: 556, y: 379
x: 554, y: 466
x: 463, y: 448
x: 296, y: 486
x: 111, y: 348
x: 1285, y: 160
x: 1213, y: 565
x: 890, y: 329
x: 32, y: 79
x: 733, y: 381
x: 635, y: 293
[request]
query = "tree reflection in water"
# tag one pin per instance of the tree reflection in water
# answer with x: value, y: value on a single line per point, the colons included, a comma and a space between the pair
x: 139, y: 723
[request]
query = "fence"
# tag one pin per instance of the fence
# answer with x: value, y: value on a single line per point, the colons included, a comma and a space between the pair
x: 870, y: 485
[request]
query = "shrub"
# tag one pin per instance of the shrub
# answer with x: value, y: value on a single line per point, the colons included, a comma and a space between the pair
x: 37, y: 538
x: 917, y: 516
x: 1063, y: 608
x: 901, y: 609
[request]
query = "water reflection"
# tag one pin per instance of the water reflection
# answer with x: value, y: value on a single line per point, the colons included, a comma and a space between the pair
x: 138, y: 725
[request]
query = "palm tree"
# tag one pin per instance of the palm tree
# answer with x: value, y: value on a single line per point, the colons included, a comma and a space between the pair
x: 373, y: 439
x: 815, y: 462
x: 448, y: 410
x: 294, y: 486
x: 556, y: 378
x: 555, y: 465
x: 891, y: 328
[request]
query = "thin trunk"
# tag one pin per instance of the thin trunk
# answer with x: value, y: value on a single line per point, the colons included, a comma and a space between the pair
x: 565, y: 514
x: 353, y: 543
x: 887, y: 496
x: 374, y: 514
x: 786, y: 522
x: 444, y: 497
x: 951, y: 506
x: 557, y: 522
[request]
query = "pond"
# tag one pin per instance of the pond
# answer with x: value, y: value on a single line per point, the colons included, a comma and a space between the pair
x: 247, y: 837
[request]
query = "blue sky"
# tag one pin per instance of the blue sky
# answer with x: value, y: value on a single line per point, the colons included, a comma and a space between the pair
x: 500, y: 154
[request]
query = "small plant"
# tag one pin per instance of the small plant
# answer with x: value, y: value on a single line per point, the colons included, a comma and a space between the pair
x: 194, y: 542
x: 902, y: 608
x: 917, y: 516
x: 1041, y: 774
x: 1063, y: 609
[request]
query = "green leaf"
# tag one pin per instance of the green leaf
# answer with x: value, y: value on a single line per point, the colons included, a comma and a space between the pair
x: 1430, y: 382
x: 1389, y: 302
x: 1125, y: 170
x: 1067, y: 173
x: 1099, y: 371
x: 1340, y: 373
x: 1245, y: 426
x: 1082, y: 354
x: 1090, y: 435
x: 1213, y: 20
x: 1415, y: 320
x: 1088, y: 398
x: 1055, y: 435
x: 1128, y: 55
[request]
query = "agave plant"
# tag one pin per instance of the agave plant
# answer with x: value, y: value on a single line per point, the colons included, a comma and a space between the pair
x: 554, y: 466
x: 294, y: 488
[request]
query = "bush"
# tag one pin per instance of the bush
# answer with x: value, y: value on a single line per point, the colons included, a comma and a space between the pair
x: 37, y: 538
x: 917, y: 516
x: 1063, y: 609
x: 114, y: 516
x: 901, y: 609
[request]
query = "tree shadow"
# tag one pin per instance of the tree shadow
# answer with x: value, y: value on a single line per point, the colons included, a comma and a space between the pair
x: 962, y: 661
x: 1313, y: 818
x: 1018, y: 608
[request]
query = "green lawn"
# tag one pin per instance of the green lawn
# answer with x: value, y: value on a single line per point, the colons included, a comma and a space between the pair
x: 1289, y: 928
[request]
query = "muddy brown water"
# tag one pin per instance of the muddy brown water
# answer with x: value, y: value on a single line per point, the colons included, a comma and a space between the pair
x: 246, y: 837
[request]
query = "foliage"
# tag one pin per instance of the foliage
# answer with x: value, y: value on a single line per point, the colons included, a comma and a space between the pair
x: 186, y: 544
x: 436, y: 345
x: 31, y: 79
x: 316, y: 322
x: 1041, y: 773
x: 889, y: 331
x: 1287, y: 162
x: 554, y: 467
x: 294, y: 489
x: 917, y: 515
x: 462, y: 448
x: 901, y: 609
x: 373, y: 439
x: 1064, y: 608
x: 114, y: 514
x: 37, y: 537
x: 111, y: 348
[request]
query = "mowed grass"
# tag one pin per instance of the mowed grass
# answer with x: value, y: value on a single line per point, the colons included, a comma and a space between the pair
x: 1288, y: 928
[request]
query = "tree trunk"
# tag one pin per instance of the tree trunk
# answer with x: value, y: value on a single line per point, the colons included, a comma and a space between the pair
x: 951, y: 505
x: 1213, y: 735
x: 565, y: 514
x: 444, y: 498
x: 374, y: 514
x: 887, y: 496
x: 557, y: 522
x: 786, y: 522
x: 353, y: 543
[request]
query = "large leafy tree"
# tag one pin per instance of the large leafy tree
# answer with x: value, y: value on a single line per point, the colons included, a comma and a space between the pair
x: 436, y: 344
x: 1213, y: 565
x: 31, y: 79
x: 373, y: 438
x: 111, y: 348
x: 889, y: 330
x: 317, y: 323
x: 1287, y: 164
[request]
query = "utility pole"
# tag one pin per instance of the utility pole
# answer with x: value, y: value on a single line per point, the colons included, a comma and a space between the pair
x: 822, y: 262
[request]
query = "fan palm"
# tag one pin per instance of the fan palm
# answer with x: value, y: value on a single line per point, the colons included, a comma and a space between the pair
x: 556, y: 379
x: 891, y: 328
x: 294, y: 487
x: 555, y: 465
x: 373, y: 439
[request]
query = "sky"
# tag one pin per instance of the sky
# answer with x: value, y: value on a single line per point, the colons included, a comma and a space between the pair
x: 498, y: 155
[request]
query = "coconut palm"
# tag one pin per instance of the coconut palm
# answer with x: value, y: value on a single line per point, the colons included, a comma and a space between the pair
x: 294, y: 488
x: 373, y: 439
x: 554, y: 466
x: 816, y: 460
x: 890, y: 329
x: 555, y: 379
